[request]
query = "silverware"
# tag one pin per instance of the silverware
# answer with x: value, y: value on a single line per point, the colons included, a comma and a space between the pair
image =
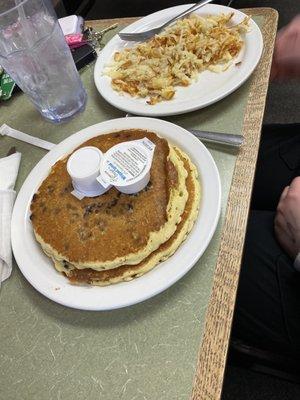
x: 214, y: 137
x: 217, y: 137
x: 140, y: 36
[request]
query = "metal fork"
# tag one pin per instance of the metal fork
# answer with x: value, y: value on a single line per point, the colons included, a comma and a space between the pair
x: 140, y: 36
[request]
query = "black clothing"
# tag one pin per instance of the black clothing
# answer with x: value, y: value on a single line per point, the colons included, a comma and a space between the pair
x: 267, y: 312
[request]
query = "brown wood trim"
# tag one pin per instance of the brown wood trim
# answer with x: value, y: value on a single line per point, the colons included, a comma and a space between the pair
x: 212, y: 354
x: 108, y: 22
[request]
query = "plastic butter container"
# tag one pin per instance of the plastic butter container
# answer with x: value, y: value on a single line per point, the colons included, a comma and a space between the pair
x: 127, y: 166
x: 83, y: 167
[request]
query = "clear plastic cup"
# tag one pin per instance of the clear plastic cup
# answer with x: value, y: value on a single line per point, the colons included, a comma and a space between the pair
x: 33, y: 51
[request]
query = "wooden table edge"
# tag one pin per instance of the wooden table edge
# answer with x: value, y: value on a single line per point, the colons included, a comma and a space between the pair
x: 212, y: 355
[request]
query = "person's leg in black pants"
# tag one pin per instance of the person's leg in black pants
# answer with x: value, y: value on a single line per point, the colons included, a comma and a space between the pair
x: 267, y: 312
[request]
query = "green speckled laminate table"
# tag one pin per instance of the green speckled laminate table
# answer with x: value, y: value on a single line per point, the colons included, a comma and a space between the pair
x: 172, y: 347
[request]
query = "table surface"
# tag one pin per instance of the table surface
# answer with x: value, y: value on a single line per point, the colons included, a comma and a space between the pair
x: 173, y: 346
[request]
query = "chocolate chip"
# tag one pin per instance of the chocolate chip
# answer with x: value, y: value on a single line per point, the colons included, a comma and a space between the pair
x: 128, y: 207
x: 31, y: 217
x: 88, y: 209
x: 68, y: 189
x: 34, y: 197
x: 91, y: 208
x: 112, y: 203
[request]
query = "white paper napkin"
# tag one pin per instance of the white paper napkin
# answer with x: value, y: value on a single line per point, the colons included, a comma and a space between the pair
x: 9, y: 167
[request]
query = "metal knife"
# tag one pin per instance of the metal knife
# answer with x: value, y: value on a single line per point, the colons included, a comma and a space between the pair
x: 218, y: 137
x: 214, y: 137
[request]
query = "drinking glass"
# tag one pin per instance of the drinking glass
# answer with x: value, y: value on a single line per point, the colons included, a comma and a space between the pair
x: 33, y: 51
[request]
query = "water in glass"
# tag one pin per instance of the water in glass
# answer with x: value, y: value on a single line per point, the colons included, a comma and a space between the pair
x: 34, y: 52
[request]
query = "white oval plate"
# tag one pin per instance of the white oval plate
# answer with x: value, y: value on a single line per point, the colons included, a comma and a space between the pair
x: 38, y: 268
x: 209, y: 88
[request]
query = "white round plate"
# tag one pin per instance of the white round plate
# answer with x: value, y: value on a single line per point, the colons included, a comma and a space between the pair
x: 38, y: 268
x: 209, y: 88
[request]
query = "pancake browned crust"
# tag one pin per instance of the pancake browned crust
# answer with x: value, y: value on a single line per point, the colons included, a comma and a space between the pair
x: 113, y: 229
x: 129, y: 272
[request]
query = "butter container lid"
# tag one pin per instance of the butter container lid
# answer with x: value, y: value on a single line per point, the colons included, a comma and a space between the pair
x: 83, y: 167
x: 127, y: 166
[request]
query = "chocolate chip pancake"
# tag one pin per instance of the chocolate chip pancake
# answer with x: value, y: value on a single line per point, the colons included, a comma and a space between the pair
x: 129, y: 272
x: 113, y: 229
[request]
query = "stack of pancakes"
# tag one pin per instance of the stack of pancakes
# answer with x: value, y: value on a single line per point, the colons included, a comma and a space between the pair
x: 117, y: 237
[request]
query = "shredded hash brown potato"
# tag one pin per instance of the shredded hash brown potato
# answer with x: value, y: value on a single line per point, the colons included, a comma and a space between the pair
x: 175, y: 57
